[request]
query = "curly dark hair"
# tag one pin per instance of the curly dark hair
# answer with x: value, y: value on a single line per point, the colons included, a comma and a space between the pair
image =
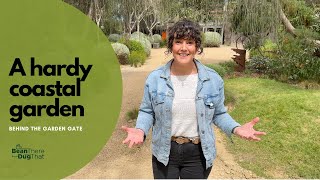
x: 185, y: 29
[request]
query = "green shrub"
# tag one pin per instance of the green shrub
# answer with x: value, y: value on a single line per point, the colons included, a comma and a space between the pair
x: 137, y: 58
x: 297, y: 68
x: 150, y: 39
x: 212, y: 39
x: 228, y: 66
x: 219, y: 69
x: 163, y: 43
x: 291, y: 68
x: 292, y: 59
x: 156, y: 38
x: 122, y: 52
x: 122, y: 40
x: 114, y: 37
x: 259, y: 64
x: 316, y: 26
x: 296, y: 62
x: 269, y: 49
x: 140, y: 37
x: 134, y: 46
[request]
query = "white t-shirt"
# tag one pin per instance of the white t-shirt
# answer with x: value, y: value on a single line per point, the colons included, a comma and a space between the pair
x: 184, y: 116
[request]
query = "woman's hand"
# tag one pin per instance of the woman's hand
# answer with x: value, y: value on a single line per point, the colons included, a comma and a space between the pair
x: 246, y: 131
x: 135, y: 136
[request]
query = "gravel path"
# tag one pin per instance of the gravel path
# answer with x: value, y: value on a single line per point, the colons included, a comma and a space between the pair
x: 117, y: 161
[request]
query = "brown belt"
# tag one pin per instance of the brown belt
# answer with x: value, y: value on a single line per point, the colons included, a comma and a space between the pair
x: 183, y: 140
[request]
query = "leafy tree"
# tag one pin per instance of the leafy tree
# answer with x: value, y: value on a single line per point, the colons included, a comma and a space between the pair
x: 83, y: 6
x: 255, y: 20
x: 95, y: 9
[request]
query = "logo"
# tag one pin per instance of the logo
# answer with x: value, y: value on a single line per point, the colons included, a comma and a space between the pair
x: 27, y: 153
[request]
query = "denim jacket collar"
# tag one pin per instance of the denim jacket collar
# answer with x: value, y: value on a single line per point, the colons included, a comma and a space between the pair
x: 202, y: 73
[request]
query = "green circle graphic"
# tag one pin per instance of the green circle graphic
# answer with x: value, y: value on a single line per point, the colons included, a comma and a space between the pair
x: 60, y: 89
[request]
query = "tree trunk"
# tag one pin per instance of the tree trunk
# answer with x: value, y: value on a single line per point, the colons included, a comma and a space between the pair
x: 227, y: 33
x: 90, y: 12
x: 287, y: 23
x: 138, y: 27
x: 98, y: 13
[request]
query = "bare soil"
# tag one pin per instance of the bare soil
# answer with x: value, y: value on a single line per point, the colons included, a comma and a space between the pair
x: 117, y: 161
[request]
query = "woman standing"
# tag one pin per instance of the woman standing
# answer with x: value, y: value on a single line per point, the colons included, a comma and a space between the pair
x: 181, y: 101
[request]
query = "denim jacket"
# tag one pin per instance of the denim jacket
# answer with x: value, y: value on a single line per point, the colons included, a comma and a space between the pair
x: 156, y: 107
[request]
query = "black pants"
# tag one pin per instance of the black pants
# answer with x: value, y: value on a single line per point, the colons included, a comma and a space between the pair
x: 186, y: 161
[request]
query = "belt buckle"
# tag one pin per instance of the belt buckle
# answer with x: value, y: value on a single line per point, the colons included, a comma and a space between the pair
x: 195, y: 140
x: 179, y: 140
